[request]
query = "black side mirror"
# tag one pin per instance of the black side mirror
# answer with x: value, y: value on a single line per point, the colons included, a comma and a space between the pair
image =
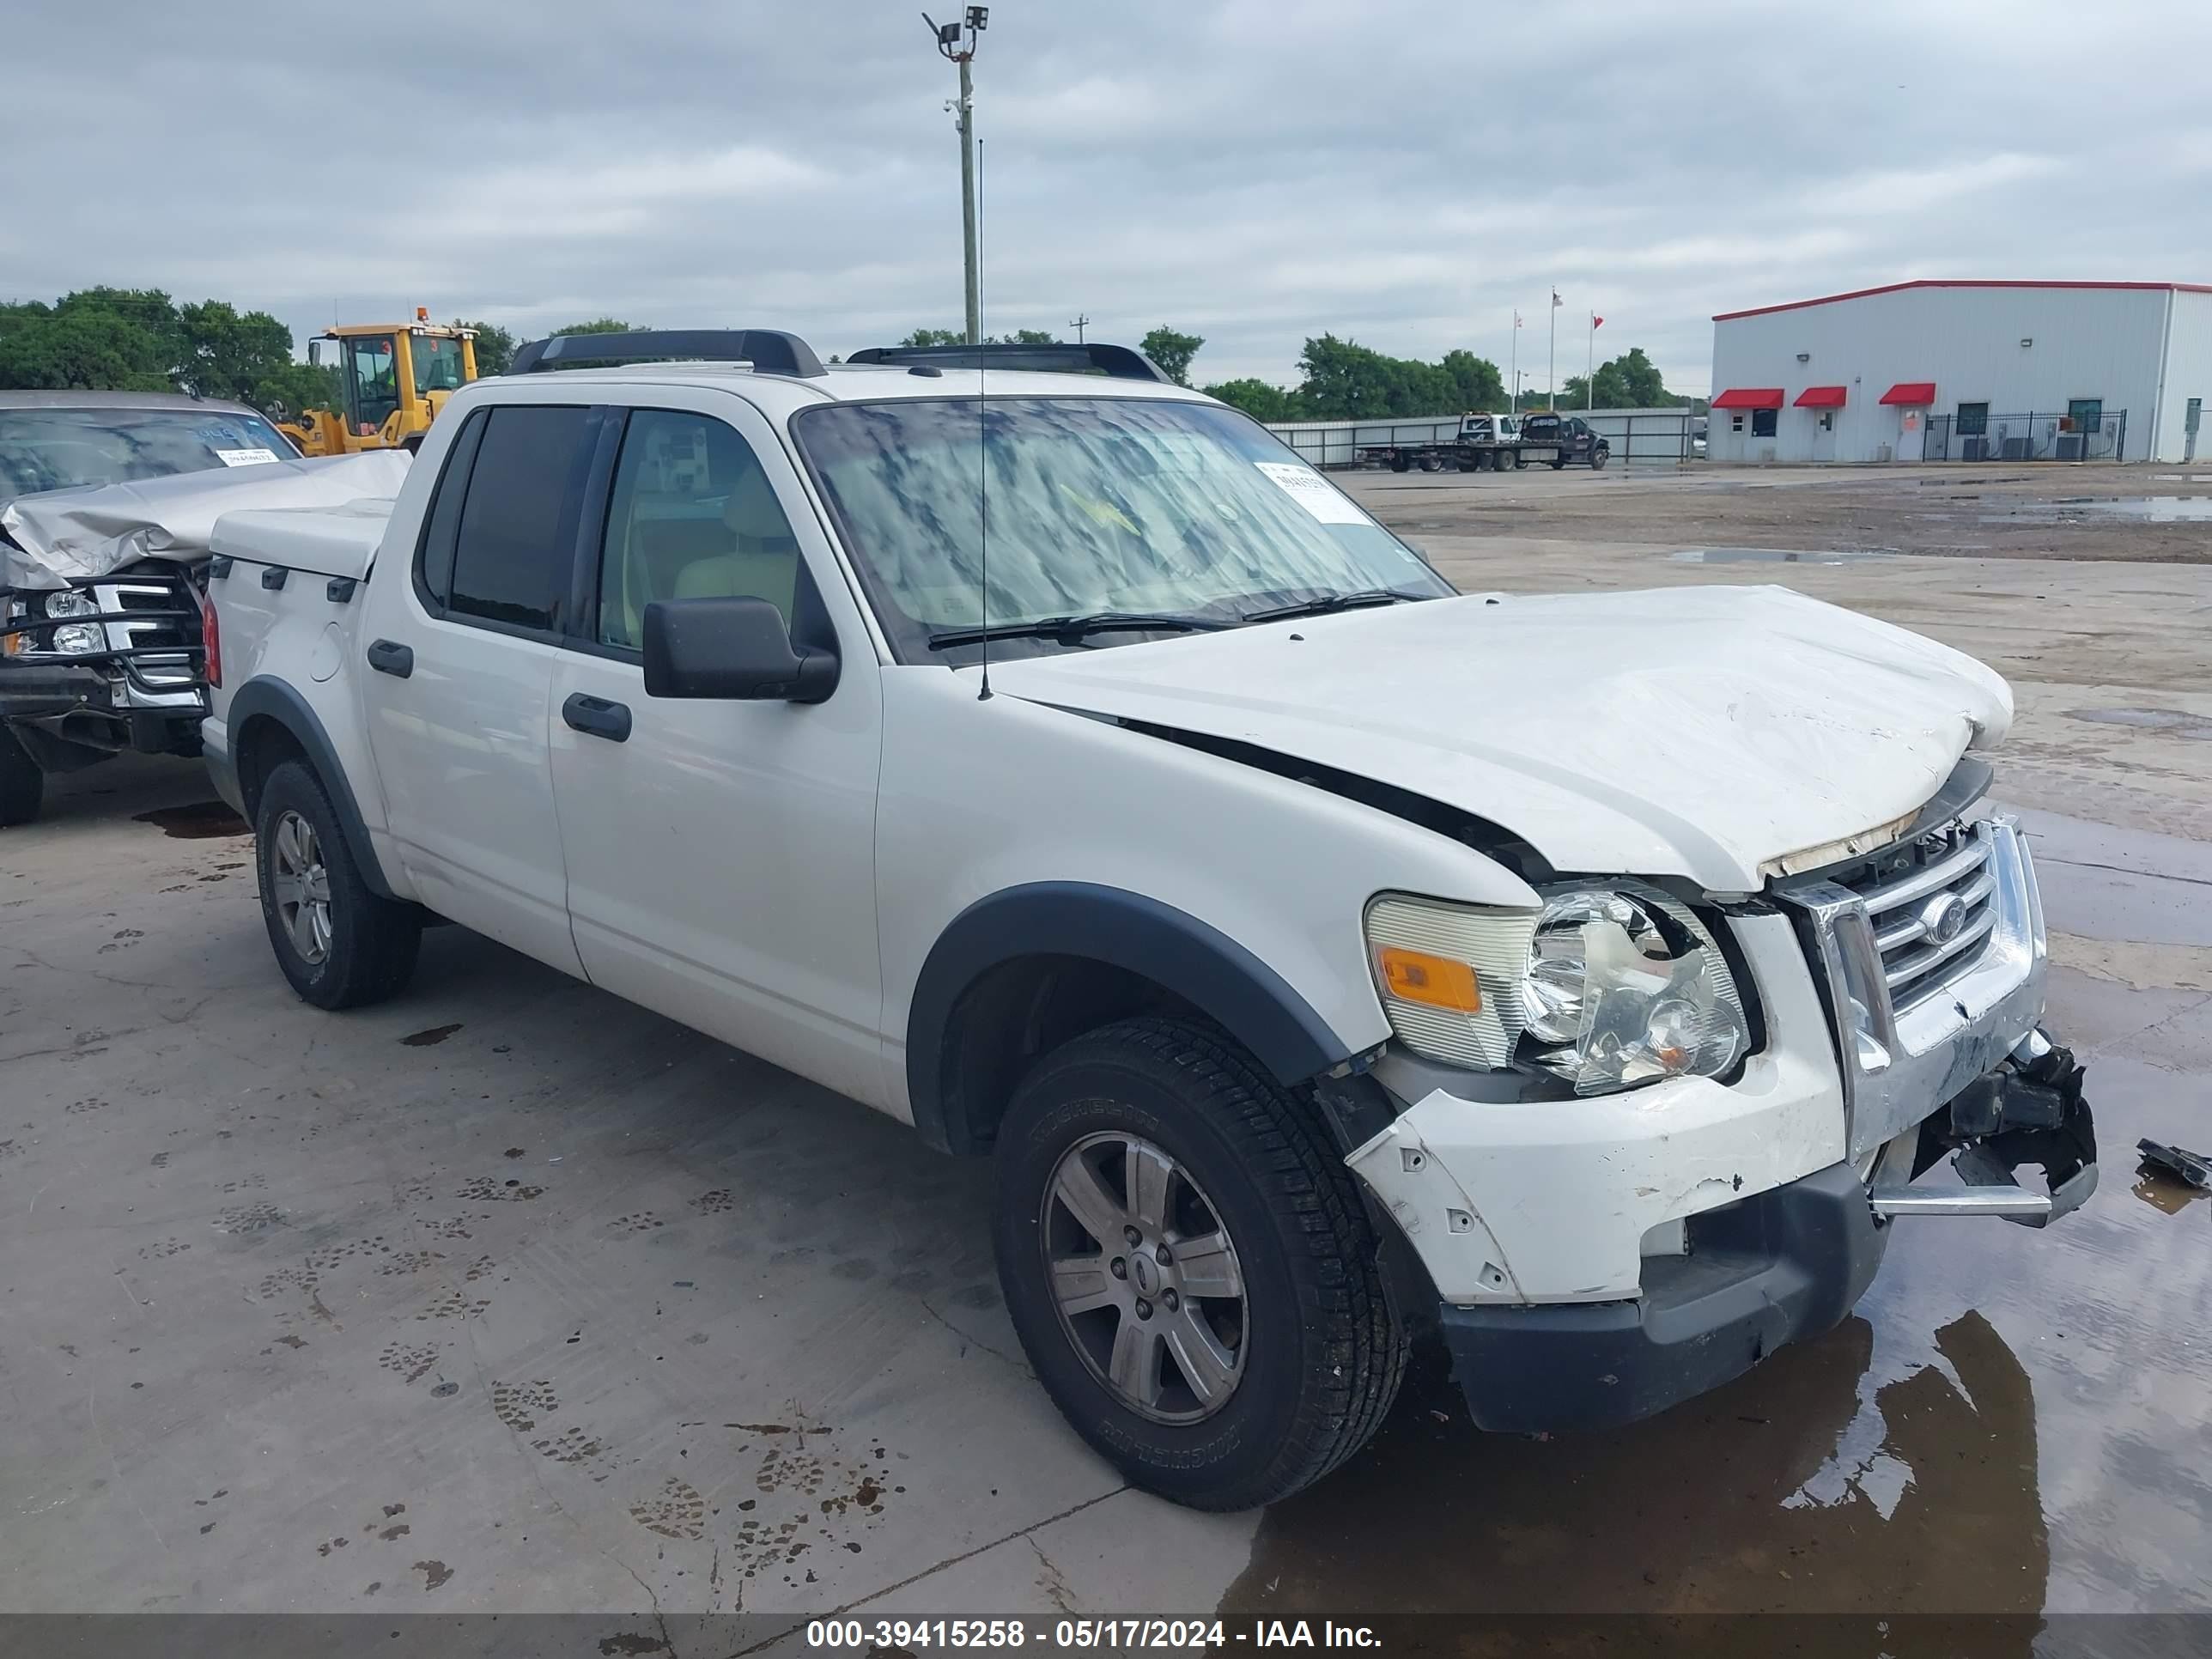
x: 731, y: 648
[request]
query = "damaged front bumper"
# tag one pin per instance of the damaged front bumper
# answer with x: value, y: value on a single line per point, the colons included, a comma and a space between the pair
x: 1783, y: 1265
x: 1599, y: 1260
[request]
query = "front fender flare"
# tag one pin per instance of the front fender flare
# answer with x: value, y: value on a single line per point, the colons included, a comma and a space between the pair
x: 1192, y: 958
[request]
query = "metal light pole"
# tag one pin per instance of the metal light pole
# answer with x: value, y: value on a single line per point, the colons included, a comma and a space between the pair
x: 956, y: 41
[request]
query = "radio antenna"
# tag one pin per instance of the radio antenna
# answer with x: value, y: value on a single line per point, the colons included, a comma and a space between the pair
x: 982, y: 428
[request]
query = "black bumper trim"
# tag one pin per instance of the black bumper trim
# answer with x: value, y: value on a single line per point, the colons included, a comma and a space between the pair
x: 1783, y: 1265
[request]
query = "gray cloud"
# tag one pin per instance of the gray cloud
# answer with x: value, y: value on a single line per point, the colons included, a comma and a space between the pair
x: 1404, y: 173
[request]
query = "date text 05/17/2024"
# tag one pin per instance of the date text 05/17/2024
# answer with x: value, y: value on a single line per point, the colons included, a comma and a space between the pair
x: 914, y: 1634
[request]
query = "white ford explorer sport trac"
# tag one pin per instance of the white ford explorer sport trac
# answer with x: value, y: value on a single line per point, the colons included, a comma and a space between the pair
x: 1320, y: 956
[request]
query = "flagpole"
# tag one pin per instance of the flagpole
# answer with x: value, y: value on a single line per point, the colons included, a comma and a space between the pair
x: 1514, y: 405
x: 1552, y: 363
x: 1589, y: 368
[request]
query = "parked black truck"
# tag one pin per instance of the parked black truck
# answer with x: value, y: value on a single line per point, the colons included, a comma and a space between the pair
x: 1555, y: 440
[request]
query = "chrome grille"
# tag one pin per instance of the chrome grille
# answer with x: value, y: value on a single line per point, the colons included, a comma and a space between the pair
x: 161, y: 633
x: 1929, y: 903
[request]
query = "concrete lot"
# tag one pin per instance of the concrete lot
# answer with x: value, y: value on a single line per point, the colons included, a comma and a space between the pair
x: 509, y: 1296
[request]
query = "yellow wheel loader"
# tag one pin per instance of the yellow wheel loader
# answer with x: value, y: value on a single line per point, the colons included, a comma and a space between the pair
x: 393, y: 380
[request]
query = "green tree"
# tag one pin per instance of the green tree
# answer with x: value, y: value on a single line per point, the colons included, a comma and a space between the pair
x: 1172, y: 351
x: 597, y: 325
x: 296, y: 388
x: 229, y: 354
x: 1631, y: 380
x: 1477, y: 386
x: 112, y: 339
x: 1258, y: 398
x: 52, y: 348
x: 495, y: 346
x: 953, y: 337
x: 1345, y: 380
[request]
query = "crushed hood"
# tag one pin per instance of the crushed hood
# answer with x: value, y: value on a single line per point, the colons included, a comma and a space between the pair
x: 60, y: 536
x: 1698, y: 731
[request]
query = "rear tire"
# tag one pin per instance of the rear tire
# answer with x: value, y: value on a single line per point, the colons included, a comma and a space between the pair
x: 340, y: 945
x: 1294, y: 1368
x: 22, y: 784
x: 1401, y: 463
x: 1432, y: 463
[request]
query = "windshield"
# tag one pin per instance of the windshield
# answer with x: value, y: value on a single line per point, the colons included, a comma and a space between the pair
x: 437, y: 362
x: 1097, y: 505
x: 65, y: 448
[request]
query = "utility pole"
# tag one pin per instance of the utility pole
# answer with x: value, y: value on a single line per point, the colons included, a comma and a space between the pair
x: 1079, y: 322
x: 956, y: 41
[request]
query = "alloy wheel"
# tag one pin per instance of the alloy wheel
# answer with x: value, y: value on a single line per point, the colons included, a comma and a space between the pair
x: 1144, y: 1277
x: 300, y: 885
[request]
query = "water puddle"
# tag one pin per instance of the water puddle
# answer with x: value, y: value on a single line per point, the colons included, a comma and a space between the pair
x: 1775, y: 555
x: 2173, y: 722
x: 2149, y: 509
x: 1812, y: 1484
x: 200, y: 821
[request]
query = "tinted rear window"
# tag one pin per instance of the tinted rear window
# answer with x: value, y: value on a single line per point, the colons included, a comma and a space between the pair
x: 511, y: 563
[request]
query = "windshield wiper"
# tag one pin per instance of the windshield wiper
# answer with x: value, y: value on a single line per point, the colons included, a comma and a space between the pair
x: 1068, y: 630
x: 1330, y: 602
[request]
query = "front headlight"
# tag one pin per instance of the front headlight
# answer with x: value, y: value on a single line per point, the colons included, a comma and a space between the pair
x: 1607, y: 987
x: 74, y: 637
x: 1627, y: 986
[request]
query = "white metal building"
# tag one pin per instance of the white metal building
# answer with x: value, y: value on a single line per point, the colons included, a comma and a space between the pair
x: 2005, y: 371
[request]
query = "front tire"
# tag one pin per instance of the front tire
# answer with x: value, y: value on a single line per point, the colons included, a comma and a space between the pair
x: 340, y: 945
x: 22, y: 784
x: 1188, y: 1265
x: 1599, y: 458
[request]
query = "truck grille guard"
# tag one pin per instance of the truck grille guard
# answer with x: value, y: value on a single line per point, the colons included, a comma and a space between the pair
x: 1930, y: 959
x: 149, y: 622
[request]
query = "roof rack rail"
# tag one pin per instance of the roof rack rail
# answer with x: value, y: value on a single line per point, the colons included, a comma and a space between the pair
x: 1119, y: 363
x: 770, y: 351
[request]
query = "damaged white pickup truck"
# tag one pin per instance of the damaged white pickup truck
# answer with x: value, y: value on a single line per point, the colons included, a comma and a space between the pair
x: 1319, y: 954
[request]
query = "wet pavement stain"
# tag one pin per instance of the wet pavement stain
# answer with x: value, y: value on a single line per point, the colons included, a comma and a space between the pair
x: 435, y: 1573
x: 2171, y: 722
x: 1786, y: 1491
x: 435, y: 1035
x: 200, y: 821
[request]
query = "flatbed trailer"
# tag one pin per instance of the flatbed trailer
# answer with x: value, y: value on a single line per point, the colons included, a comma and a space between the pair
x: 1482, y: 442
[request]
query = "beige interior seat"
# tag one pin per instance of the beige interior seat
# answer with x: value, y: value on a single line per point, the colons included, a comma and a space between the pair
x: 748, y: 551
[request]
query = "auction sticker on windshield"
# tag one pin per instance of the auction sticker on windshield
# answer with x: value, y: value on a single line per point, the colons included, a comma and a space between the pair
x: 245, y: 457
x: 1313, y: 492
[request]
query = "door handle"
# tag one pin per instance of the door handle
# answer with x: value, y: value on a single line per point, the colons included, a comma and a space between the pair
x: 598, y: 716
x: 390, y: 657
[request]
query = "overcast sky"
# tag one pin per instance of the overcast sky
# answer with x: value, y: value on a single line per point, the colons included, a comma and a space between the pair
x: 1254, y: 171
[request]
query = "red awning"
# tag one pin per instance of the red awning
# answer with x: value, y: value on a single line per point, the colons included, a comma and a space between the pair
x: 1755, y: 397
x: 1821, y: 397
x: 1911, y: 393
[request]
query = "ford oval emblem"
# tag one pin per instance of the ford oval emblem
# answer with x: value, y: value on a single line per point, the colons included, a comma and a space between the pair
x: 1943, y: 917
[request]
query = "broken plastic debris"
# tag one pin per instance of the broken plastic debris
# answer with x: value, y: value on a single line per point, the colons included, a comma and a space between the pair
x: 2193, y: 1168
